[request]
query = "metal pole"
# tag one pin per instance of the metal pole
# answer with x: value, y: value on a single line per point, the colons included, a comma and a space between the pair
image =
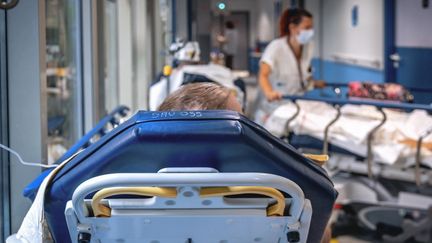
x: 369, y: 142
x: 418, y: 156
x: 327, y: 128
x: 287, y: 124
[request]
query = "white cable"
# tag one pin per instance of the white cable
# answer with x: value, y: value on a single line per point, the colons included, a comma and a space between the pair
x: 25, y: 162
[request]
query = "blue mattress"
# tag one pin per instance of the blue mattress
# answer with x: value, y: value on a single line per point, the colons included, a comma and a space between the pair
x: 223, y: 140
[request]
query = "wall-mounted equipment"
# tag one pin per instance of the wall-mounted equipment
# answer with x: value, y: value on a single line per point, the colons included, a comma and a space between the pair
x: 354, y: 16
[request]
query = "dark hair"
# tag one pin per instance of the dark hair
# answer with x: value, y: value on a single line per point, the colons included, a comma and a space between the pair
x: 229, y: 25
x: 292, y: 16
x: 197, y: 96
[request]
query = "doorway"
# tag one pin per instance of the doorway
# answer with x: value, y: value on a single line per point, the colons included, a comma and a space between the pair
x: 241, y: 23
x: 409, y: 50
x: 240, y: 19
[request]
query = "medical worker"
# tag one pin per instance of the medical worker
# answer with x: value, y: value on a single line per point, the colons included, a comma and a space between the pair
x: 285, y: 63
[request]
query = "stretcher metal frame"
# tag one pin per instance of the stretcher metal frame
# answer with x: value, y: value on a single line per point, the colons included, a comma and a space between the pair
x: 337, y: 103
x: 189, y: 216
x: 411, y: 228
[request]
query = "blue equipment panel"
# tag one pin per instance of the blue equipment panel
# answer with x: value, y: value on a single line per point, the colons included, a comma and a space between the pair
x: 223, y: 140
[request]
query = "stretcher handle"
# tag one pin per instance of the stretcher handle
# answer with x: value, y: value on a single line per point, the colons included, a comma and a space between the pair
x: 320, y: 159
x: 274, y: 210
x: 101, y: 210
x: 188, y: 179
x: 338, y: 101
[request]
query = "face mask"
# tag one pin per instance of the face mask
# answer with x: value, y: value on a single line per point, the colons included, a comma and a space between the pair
x: 305, y: 36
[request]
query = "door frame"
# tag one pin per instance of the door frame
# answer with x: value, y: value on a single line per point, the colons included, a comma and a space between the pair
x: 389, y: 39
x: 4, y: 157
x: 247, y: 15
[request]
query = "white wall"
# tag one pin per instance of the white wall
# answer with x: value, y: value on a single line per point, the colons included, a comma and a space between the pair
x: 364, y: 41
x: 243, y: 5
x: 314, y: 7
x: 124, y: 53
x: 181, y: 19
x: 413, y: 24
x: 263, y: 22
x: 143, y: 72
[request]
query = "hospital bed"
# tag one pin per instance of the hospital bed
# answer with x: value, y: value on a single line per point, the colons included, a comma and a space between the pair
x: 189, y: 176
x: 377, y: 196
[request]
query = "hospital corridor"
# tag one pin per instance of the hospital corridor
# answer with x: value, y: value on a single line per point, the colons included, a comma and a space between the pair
x: 215, y: 121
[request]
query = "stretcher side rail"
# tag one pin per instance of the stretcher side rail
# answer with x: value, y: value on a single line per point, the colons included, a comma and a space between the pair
x: 99, y: 129
x: 113, y: 118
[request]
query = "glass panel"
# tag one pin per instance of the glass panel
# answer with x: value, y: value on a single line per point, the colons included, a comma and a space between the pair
x: 132, y: 53
x: 63, y: 84
x: 111, y: 85
x: 4, y: 159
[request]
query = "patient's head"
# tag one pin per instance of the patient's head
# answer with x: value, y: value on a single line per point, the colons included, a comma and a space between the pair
x: 201, y: 96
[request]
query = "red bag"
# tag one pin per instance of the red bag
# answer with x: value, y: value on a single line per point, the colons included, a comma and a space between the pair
x: 386, y: 91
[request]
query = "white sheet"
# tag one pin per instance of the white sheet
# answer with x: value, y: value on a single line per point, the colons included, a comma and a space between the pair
x: 351, y: 130
x: 34, y: 228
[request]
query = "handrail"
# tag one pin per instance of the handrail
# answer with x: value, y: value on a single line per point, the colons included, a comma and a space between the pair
x: 335, y: 101
x: 188, y: 179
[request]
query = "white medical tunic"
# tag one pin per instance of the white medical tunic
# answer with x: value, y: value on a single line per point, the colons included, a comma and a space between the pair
x: 285, y: 76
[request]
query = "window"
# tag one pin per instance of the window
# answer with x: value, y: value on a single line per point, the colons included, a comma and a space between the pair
x: 132, y: 52
x: 64, y: 90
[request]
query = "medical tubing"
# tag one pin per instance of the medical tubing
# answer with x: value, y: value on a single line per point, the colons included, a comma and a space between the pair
x: 26, y: 162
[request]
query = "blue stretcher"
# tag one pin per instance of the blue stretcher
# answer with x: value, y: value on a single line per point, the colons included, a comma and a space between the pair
x: 225, y: 141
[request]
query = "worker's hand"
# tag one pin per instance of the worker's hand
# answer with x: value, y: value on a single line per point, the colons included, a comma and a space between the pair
x: 273, y: 95
x: 319, y: 84
x: 221, y: 39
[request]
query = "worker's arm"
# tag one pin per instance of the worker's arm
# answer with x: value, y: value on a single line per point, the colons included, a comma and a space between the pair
x: 316, y: 84
x: 265, y: 84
